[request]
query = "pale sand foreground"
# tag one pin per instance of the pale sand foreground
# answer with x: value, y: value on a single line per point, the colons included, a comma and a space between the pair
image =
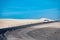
x: 4, y: 23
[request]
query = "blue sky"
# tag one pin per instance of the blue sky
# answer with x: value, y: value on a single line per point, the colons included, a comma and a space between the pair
x: 29, y: 9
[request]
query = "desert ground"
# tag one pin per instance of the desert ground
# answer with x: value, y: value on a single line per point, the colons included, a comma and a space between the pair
x: 49, y: 31
x: 39, y: 31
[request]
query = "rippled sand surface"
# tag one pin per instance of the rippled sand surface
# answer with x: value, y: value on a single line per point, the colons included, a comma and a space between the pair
x: 50, y: 31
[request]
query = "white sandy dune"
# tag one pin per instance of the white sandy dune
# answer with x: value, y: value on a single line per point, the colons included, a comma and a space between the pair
x: 4, y: 23
x: 13, y: 22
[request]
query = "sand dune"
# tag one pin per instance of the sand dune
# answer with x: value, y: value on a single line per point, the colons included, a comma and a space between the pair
x: 5, y: 23
x: 16, y: 22
x: 35, y: 32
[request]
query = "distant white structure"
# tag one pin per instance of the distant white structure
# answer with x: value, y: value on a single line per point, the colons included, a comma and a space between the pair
x: 45, y: 20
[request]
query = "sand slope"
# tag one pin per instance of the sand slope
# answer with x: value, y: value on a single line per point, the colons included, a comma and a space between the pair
x: 16, y: 22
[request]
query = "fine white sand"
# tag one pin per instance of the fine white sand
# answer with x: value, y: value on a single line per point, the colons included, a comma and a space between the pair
x: 4, y: 23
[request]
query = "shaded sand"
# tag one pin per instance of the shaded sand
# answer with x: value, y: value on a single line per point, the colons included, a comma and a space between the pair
x: 48, y: 31
x: 50, y: 25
